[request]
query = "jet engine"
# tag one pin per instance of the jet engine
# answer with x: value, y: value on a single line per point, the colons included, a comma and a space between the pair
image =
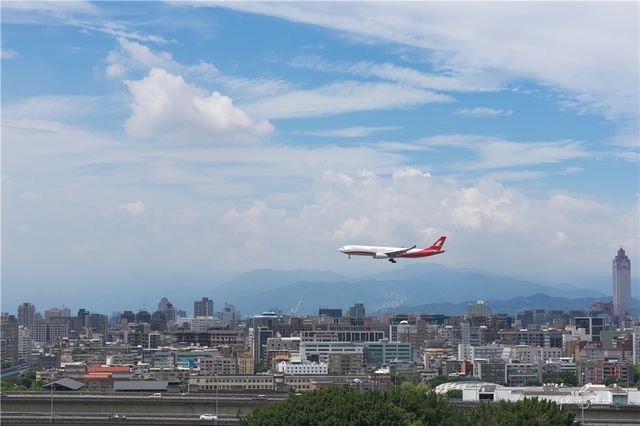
x: 380, y: 256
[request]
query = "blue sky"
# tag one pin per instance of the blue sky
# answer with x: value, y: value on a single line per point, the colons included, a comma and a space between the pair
x: 164, y: 145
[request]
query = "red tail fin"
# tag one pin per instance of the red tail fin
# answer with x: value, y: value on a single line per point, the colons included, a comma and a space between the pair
x: 439, y: 243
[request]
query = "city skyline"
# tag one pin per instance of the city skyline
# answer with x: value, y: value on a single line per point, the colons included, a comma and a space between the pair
x: 287, y: 292
x: 163, y: 146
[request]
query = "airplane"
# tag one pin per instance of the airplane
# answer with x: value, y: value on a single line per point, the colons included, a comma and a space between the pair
x: 391, y: 253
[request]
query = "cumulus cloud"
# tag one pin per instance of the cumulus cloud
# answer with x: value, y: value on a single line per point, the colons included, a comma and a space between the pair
x: 409, y: 172
x: 164, y: 106
x: 134, y: 208
x: 482, y: 112
x: 363, y: 207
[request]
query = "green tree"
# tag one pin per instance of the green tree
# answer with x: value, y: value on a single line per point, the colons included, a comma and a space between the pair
x: 334, y: 406
x: 566, y: 377
x: 528, y: 412
x: 410, y: 405
x: 261, y: 367
x: 636, y: 374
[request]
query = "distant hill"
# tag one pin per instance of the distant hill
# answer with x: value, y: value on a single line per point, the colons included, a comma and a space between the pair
x: 261, y: 280
x: 413, y: 285
x: 511, y: 306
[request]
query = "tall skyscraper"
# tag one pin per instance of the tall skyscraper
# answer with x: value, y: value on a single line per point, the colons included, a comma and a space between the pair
x: 621, y: 286
x: 203, y: 308
x: 26, y: 314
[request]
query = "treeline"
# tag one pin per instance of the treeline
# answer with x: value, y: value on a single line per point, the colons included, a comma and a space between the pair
x: 408, y: 405
x: 21, y: 382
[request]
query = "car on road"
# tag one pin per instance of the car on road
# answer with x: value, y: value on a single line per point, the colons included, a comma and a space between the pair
x: 117, y: 417
x: 155, y: 395
x: 208, y: 417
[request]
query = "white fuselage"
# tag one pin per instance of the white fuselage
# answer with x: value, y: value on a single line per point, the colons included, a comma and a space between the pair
x: 373, y: 250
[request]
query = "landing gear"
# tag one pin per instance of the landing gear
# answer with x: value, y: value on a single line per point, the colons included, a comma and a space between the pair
x: 392, y: 260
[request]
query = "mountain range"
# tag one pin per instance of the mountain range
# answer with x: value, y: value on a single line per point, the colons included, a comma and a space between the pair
x: 426, y: 287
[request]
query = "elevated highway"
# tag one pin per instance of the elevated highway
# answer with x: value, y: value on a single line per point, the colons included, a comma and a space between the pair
x: 88, y: 409
x: 73, y: 408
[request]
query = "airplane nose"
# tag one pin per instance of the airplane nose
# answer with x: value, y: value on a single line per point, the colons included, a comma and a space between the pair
x: 341, y: 249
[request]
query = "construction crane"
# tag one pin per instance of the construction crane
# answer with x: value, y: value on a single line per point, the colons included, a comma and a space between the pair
x: 294, y: 310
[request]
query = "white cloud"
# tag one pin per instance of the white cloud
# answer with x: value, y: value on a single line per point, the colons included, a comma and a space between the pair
x: 560, y: 239
x: 247, y: 197
x: 248, y: 89
x: 399, y: 74
x: 115, y: 70
x: 482, y: 112
x: 373, y: 209
x: 135, y: 208
x: 348, y: 132
x: 9, y: 54
x: 588, y: 50
x: 497, y: 153
x: 57, y: 107
x: 135, y: 56
x: 85, y: 7
x: 119, y: 30
x: 352, y: 228
x: 342, y: 97
x: 409, y: 172
x: 165, y: 106
x: 398, y: 146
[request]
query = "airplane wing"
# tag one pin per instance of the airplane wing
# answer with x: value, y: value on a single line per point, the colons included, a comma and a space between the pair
x: 396, y: 253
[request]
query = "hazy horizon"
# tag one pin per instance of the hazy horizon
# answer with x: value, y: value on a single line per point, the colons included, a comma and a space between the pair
x: 183, y: 296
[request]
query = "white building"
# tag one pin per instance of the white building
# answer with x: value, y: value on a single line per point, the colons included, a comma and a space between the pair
x: 530, y: 355
x: 320, y: 350
x: 588, y: 394
x: 302, y: 368
x: 24, y: 345
x: 200, y: 324
x: 467, y: 352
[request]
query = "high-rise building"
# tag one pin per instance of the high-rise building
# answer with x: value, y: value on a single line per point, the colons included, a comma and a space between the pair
x: 621, y: 286
x: 83, y: 317
x: 230, y: 314
x: 479, y: 309
x: 8, y: 340
x: 356, y: 311
x: 203, y: 308
x: 24, y: 345
x: 592, y: 326
x: 167, y: 309
x: 56, y: 312
x: 636, y: 344
x: 26, y: 314
x: 99, y: 323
